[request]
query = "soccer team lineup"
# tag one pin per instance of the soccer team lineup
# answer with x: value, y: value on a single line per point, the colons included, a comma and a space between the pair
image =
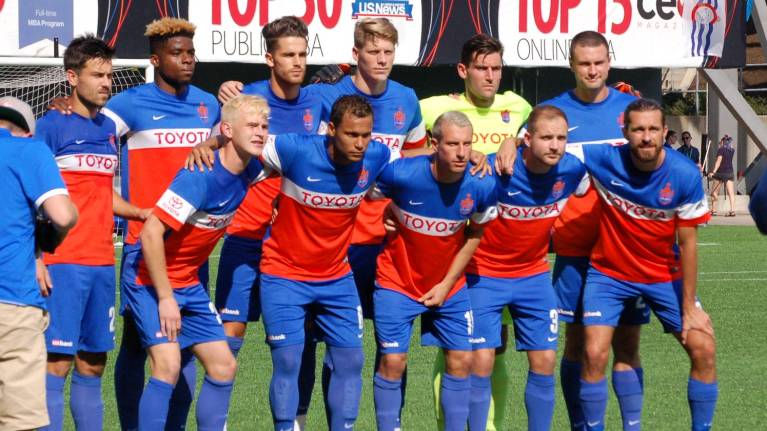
x: 346, y: 213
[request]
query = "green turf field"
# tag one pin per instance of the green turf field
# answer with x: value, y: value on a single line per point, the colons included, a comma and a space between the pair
x: 732, y: 282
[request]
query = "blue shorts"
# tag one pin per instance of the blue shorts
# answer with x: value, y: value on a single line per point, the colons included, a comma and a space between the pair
x: 333, y: 304
x: 531, y: 302
x: 605, y: 298
x: 449, y: 326
x: 82, y: 307
x: 237, y: 298
x: 362, y: 259
x: 129, y: 269
x: 569, y: 277
x: 200, y: 323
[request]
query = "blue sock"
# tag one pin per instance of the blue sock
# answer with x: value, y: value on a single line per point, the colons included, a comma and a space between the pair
x: 235, y: 344
x: 54, y: 399
x: 283, y: 388
x: 345, y: 386
x: 479, y: 402
x: 403, y: 387
x: 702, y: 398
x: 213, y: 404
x: 153, y: 407
x: 628, y: 386
x: 86, y: 403
x: 306, y: 376
x: 387, y: 397
x: 455, y: 393
x: 539, y: 401
x: 183, y: 392
x: 593, y: 400
x: 570, y: 377
x: 129, y: 375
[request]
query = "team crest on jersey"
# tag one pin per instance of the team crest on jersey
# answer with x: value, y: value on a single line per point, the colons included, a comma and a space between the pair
x: 176, y: 203
x: 506, y: 116
x: 467, y: 205
x: 308, y: 120
x: 558, y: 189
x: 112, y: 141
x: 399, y: 118
x: 666, y: 194
x: 202, y: 111
x: 362, y: 181
x: 621, y: 119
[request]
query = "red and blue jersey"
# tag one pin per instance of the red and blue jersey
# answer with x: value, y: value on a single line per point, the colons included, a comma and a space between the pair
x: 575, y: 232
x: 641, y: 212
x: 160, y: 130
x: 86, y: 154
x: 319, y: 201
x: 305, y: 114
x: 398, y: 124
x: 198, y: 207
x: 28, y: 177
x: 516, y: 243
x: 432, y: 217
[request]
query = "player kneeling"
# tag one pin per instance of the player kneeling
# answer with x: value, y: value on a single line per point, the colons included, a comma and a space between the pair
x: 509, y: 268
x: 196, y: 209
x: 420, y: 271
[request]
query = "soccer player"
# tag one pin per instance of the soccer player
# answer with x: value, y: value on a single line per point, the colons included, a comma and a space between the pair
x: 171, y: 308
x: 421, y: 269
x: 758, y: 205
x: 510, y: 270
x: 304, y: 264
x: 161, y: 121
x: 494, y: 117
x: 29, y: 182
x: 82, y: 309
x: 595, y: 116
x: 651, y: 197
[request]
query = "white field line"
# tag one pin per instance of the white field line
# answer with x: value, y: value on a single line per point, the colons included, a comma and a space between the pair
x: 732, y: 272
x: 731, y: 279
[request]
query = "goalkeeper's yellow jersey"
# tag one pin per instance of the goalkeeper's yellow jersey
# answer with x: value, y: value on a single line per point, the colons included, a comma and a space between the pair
x: 491, y: 125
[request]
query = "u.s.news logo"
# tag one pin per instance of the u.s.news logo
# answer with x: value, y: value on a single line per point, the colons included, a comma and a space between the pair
x: 385, y: 8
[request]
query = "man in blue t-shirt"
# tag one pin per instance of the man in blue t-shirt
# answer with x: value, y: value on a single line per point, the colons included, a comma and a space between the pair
x: 29, y: 182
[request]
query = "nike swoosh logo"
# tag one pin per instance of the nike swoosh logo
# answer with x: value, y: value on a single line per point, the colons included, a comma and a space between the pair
x: 513, y: 193
x: 79, y: 141
x: 632, y: 423
x: 572, y: 128
x: 359, y: 335
x: 415, y: 203
x: 550, y: 339
x: 158, y: 117
x: 616, y: 183
x: 348, y: 426
x: 593, y: 424
x: 313, y: 180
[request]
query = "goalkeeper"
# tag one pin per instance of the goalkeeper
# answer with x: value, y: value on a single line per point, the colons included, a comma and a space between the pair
x: 494, y: 117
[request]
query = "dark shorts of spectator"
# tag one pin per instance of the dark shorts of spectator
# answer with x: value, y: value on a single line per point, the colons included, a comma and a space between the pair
x: 723, y: 176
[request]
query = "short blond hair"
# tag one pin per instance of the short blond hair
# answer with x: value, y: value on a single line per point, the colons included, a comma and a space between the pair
x: 169, y: 27
x: 242, y: 104
x: 374, y: 28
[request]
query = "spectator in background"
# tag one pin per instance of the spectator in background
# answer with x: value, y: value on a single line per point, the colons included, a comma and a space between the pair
x: 688, y: 150
x: 670, y: 139
x: 29, y: 182
x: 723, y: 173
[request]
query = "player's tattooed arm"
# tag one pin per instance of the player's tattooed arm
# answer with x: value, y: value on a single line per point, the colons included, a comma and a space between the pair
x: 693, y: 317
x: 506, y: 156
x: 203, y: 154
x: 229, y: 90
x: 126, y: 210
x: 436, y: 296
x: 153, y: 247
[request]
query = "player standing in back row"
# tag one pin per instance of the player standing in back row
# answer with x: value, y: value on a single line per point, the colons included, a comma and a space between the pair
x: 82, y: 309
x: 494, y: 117
x: 161, y: 122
